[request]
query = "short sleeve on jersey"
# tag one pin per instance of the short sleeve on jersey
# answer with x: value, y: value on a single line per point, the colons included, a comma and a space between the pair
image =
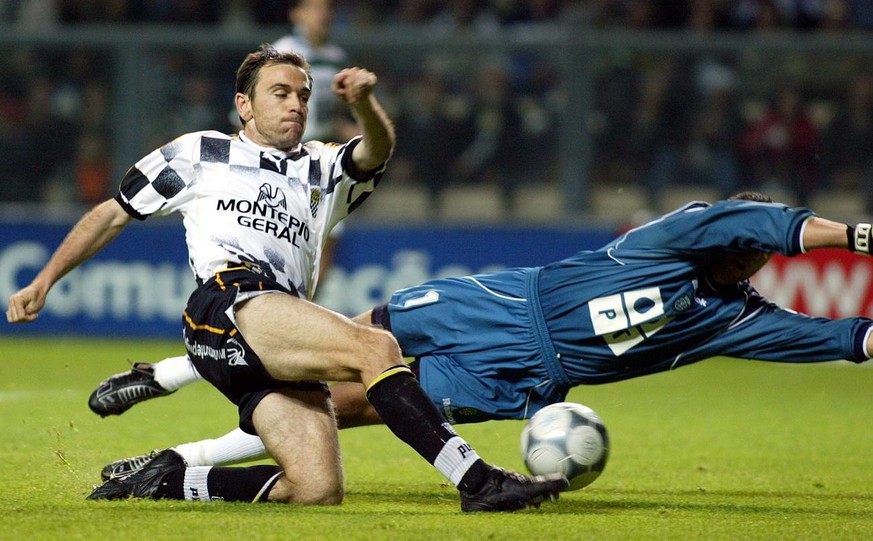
x: 351, y: 167
x: 166, y: 184
x: 132, y: 183
x: 163, y: 174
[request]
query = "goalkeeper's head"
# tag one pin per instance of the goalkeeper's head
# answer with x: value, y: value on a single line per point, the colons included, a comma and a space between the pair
x: 732, y: 267
x: 751, y: 196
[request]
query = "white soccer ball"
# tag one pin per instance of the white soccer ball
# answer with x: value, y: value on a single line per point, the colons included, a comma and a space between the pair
x: 566, y: 438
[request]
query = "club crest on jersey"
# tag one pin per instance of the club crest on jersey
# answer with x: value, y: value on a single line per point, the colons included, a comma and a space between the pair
x: 272, y: 199
x: 682, y: 303
x: 314, y: 200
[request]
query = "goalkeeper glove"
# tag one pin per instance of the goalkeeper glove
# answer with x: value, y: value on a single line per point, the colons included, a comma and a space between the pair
x: 859, y: 238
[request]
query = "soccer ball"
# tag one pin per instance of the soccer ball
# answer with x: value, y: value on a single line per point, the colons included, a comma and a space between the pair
x: 566, y: 438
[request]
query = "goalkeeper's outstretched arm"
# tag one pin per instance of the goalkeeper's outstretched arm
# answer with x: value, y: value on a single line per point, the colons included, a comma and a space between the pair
x: 823, y: 233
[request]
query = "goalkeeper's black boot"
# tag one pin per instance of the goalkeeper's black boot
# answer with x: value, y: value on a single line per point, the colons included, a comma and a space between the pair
x: 117, y: 394
x: 126, y: 466
x: 509, y: 491
x: 143, y: 484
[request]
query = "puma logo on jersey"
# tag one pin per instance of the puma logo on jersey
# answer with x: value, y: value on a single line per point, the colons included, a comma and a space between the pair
x: 277, y: 164
x: 272, y: 199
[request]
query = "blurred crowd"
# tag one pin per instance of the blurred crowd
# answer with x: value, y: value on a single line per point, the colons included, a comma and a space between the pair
x: 449, y: 14
x: 729, y: 120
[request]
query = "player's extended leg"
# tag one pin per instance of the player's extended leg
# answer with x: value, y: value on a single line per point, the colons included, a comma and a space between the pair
x: 296, y: 340
x: 120, y: 392
x: 234, y: 447
x: 327, y: 346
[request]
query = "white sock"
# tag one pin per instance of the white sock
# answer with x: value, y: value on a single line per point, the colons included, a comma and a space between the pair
x: 235, y: 446
x: 195, y: 487
x: 175, y: 372
x: 455, y: 459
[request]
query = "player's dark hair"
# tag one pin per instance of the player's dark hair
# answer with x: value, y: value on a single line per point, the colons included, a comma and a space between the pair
x: 751, y: 196
x: 248, y: 72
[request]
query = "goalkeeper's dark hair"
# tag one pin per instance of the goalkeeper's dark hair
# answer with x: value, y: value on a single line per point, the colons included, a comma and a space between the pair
x: 751, y: 196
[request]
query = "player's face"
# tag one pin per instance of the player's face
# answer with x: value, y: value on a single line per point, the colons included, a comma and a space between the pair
x: 276, y: 117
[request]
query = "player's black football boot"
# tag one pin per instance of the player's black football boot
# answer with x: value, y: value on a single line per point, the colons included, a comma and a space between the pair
x: 117, y: 394
x: 126, y: 466
x: 144, y: 483
x: 510, y: 491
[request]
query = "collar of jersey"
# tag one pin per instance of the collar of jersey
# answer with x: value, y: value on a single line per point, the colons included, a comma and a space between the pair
x: 270, y: 150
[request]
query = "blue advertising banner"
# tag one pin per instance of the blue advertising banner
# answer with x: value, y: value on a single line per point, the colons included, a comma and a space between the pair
x: 138, y: 285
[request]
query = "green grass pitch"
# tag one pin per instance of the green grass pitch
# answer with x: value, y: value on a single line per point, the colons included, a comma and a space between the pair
x: 724, y: 449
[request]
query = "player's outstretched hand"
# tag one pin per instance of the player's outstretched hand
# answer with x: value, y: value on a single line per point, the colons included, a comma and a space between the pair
x: 861, y: 238
x: 353, y: 85
x: 25, y: 305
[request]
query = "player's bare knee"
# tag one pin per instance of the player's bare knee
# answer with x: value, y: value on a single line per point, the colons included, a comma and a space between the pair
x: 382, y: 351
x: 320, y: 497
x: 334, y: 497
x: 321, y: 493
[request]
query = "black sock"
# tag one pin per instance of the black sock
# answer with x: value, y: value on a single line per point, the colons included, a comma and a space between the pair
x: 249, y: 484
x: 171, y: 486
x: 475, y: 476
x: 412, y: 417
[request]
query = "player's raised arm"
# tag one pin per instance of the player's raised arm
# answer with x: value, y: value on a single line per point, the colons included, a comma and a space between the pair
x: 823, y: 233
x: 94, y: 231
x: 355, y: 87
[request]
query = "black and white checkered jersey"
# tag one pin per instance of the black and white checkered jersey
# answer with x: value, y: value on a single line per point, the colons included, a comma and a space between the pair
x: 244, y: 203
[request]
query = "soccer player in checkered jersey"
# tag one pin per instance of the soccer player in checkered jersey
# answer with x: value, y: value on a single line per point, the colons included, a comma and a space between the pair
x: 256, y: 208
x: 667, y: 294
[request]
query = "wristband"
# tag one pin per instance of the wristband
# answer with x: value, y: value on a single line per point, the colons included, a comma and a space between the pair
x: 859, y: 238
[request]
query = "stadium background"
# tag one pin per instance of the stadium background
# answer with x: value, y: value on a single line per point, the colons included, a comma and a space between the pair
x: 527, y: 130
x: 609, y: 91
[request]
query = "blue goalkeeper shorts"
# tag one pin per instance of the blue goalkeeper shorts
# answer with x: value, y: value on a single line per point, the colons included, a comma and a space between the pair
x: 473, y: 340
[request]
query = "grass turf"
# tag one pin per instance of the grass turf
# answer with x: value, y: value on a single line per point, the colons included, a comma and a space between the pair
x: 724, y: 449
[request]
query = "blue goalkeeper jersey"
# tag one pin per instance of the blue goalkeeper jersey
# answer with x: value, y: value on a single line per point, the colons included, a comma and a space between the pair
x: 642, y: 303
x: 505, y: 344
